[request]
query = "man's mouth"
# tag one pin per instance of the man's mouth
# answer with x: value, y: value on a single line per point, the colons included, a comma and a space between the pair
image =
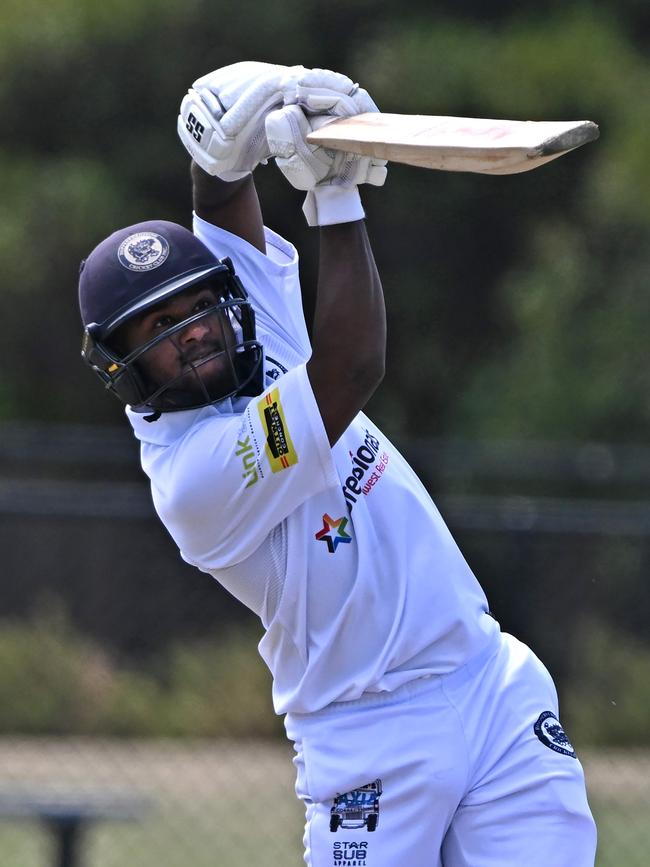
x: 196, y: 358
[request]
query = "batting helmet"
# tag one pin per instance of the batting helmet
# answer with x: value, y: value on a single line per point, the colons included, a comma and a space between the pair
x: 143, y: 266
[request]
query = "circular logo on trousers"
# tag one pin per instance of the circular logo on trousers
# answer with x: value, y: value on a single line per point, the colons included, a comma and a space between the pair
x: 550, y: 732
x: 143, y: 251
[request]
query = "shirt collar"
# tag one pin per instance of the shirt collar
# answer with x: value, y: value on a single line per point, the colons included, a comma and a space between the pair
x: 170, y: 426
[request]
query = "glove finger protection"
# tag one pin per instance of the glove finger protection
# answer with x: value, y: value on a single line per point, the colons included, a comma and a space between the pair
x: 320, y: 91
x: 303, y: 164
x: 330, y: 178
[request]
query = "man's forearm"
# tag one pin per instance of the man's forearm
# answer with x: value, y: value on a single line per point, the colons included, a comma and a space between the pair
x: 349, y: 332
x: 233, y: 205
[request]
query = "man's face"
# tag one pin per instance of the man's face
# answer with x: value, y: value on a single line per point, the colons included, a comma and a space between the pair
x: 194, y: 355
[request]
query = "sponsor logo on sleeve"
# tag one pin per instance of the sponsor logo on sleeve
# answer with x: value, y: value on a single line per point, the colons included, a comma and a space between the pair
x: 279, y: 448
x: 369, y: 462
x: 247, y: 450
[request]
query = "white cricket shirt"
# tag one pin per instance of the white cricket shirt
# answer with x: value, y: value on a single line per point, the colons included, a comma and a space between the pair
x: 340, y: 551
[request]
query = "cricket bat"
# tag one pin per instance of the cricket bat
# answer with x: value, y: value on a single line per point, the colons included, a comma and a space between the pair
x: 455, y: 144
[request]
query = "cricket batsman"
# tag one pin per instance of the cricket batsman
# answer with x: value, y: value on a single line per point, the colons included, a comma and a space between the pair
x: 424, y: 736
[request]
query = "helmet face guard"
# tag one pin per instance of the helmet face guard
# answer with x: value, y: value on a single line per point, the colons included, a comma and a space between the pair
x: 233, y: 367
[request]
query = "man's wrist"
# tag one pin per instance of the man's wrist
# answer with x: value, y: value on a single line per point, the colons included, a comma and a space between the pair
x: 210, y: 191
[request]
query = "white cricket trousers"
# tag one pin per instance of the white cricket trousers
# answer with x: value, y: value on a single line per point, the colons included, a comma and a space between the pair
x: 471, y: 769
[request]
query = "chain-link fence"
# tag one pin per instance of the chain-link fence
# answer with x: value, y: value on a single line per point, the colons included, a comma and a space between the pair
x: 135, y: 718
x: 232, y: 802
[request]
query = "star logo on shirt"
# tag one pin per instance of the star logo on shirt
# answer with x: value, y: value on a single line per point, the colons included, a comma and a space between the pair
x: 333, y: 532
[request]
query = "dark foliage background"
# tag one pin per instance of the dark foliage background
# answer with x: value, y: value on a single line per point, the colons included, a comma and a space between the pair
x: 519, y: 307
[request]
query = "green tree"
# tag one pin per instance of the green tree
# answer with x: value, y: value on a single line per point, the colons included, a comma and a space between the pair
x: 517, y: 304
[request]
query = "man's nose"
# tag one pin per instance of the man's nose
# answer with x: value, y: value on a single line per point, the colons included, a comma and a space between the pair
x: 195, y: 331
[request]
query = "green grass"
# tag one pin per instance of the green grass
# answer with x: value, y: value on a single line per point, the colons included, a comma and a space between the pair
x: 623, y: 833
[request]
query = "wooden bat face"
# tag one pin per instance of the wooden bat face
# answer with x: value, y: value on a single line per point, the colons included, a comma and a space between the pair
x: 455, y: 144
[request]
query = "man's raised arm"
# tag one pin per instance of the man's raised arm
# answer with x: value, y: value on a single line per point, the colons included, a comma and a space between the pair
x: 239, y: 116
x: 349, y: 328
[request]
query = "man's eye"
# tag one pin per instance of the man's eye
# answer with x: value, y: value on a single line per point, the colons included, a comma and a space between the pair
x: 203, y: 304
x: 163, y: 322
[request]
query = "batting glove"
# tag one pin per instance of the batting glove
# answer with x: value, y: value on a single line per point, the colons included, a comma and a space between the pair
x: 221, y: 120
x: 331, y: 178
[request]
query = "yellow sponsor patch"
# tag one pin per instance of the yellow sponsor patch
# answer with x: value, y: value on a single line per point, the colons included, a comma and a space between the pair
x: 279, y: 448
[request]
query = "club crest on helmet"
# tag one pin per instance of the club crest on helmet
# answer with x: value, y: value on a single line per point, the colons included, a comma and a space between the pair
x: 143, y: 251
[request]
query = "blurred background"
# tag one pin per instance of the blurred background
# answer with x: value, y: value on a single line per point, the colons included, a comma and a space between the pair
x: 518, y: 385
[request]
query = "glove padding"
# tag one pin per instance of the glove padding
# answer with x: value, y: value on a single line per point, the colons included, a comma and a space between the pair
x: 221, y: 121
x: 331, y: 178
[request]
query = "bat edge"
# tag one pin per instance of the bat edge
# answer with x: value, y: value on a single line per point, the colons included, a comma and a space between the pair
x: 586, y: 132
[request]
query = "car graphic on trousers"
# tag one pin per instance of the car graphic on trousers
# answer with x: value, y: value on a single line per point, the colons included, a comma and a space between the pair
x: 357, y: 808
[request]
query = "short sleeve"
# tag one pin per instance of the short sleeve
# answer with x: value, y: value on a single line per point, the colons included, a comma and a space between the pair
x: 231, y: 479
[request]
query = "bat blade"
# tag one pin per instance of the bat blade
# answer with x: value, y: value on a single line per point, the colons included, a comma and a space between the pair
x: 455, y: 144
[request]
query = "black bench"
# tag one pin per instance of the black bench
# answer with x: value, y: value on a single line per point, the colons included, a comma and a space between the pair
x: 68, y: 815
